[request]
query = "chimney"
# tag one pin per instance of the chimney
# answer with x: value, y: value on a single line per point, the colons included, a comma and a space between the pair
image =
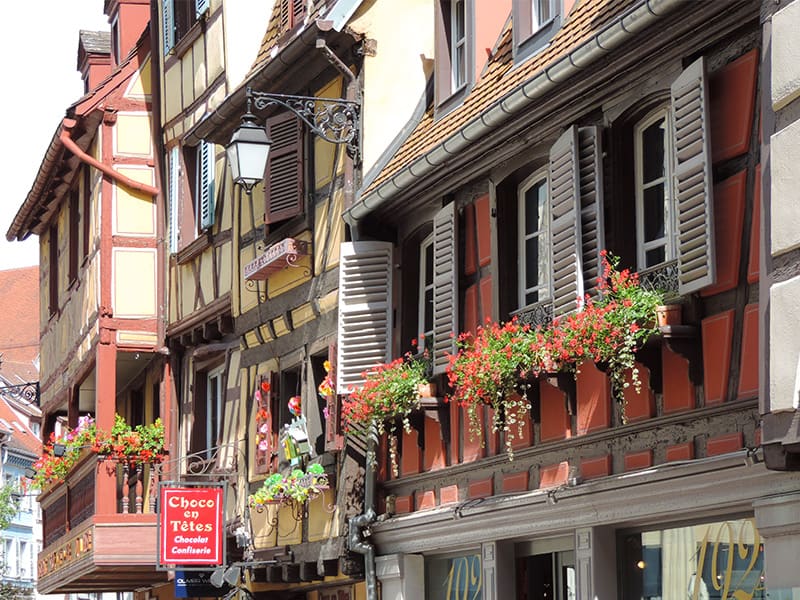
x: 94, y: 57
x: 128, y: 20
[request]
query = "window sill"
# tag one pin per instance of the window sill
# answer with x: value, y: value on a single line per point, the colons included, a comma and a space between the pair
x: 194, y: 249
x: 187, y: 41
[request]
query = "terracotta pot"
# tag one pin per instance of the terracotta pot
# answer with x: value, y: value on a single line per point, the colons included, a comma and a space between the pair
x: 426, y: 390
x: 669, y: 314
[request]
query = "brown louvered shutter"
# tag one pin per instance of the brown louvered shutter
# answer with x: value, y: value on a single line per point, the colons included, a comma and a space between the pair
x: 365, y: 311
x: 590, y: 160
x: 445, y: 286
x: 298, y: 11
x: 693, y: 182
x: 283, y: 181
x: 565, y: 227
x: 285, y: 12
x: 334, y: 440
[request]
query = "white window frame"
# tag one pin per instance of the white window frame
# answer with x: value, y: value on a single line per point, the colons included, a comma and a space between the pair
x: 427, y: 332
x: 537, y: 22
x: 539, y: 177
x: 458, y: 46
x: 668, y: 241
x: 215, y: 408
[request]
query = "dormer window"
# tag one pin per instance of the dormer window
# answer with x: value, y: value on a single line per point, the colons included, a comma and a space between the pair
x: 454, y: 51
x: 535, y: 22
x: 292, y: 13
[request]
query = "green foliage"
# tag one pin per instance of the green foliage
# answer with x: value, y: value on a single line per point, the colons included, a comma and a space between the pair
x: 297, y: 486
x: 9, y: 504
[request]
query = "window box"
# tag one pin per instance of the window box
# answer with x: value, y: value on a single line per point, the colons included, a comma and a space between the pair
x: 277, y: 257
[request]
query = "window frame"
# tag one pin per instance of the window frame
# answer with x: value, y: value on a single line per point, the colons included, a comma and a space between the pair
x: 424, y: 246
x: 448, y: 95
x: 529, y: 39
x: 215, y: 408
x: 668, y: 241
x: 537, y: 177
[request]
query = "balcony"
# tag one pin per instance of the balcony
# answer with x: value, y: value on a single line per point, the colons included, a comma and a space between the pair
x: 99, y: 529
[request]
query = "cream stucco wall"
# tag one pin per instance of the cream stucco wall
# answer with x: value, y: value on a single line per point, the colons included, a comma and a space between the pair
x: 133, y: 133
x: 395, y: 77
x: 133, y: 290
x: 134, y: 212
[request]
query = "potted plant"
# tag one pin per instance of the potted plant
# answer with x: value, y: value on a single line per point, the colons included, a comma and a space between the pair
x: 487, y: 370
x: 389, y: 393
x: 297, y: 486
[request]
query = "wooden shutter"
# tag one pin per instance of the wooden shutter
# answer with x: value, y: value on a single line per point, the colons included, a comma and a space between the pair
x: 283, y: 181
x: 445, y: 286
x: 692, y: 179
x: 173, y: 199
x: 334, y: 440
x: 168, y: 25
x: 298, y: 11
x: 205, y: 184
x: 201, y: 7
x: 590, y: 160
x: 565, y: 226
x: 365, y: 311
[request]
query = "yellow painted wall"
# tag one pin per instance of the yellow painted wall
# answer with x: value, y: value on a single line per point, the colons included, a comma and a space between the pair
x: 324, y: 152
x: 133, y: 289
x: 133, y: 134
x: 140, y: 86
x: 134, y: 212
x: 172, y: 92
x: 325, y: 237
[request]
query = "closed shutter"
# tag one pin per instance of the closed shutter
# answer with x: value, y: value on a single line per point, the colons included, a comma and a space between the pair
x: 173, y: 200
x: 283, y: 182
x: 445, y: 287
x: 285, y: 11
x: 201, y: 7
x: 205, y: 184
x: 565, y: 225
x: 168, y: 25
x: 692, y: 179
x: 365, y: 311
x: 590, y: 160
x: 298, y: 11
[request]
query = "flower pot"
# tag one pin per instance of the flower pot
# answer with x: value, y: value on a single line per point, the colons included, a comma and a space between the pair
x: 427, y: 390
x: 669, y: 314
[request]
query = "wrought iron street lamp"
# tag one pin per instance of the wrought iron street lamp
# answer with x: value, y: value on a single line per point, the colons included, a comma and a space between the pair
x: 332, y: 119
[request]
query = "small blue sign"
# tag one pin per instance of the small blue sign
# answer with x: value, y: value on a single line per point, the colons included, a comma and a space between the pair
x: 197, y: 584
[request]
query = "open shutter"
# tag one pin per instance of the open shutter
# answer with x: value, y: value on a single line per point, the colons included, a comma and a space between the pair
x: 365, y: 311
x: 590, y: 160
x: 692, y: 179
x: 205, y: 184
x: 445, y: 287
x: 565, y: 227
x: 168, y: 25
x: 173, y: 199
x: 283, y: 182
x: 201, y: 7
x: 334, y: 440
x: 443, y: 65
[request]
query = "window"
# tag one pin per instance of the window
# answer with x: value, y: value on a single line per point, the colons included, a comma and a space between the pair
x: 283, y: 178
x: 454, y: 51
x: 178, y: 17
x: 86, y: 215
x: 425, y: 300
x: 74, y: 244
x: 453, y: 577
x: 535, y: 22
x: 191, y: 201
x: 292, y: 13
x: 209, y: 402
x: 11, y: 563
x: 534, y: 241
x: 655, y: 212
x: 25, y: 560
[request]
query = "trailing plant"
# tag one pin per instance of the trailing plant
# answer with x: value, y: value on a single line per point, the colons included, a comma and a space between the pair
x: 297, y: 486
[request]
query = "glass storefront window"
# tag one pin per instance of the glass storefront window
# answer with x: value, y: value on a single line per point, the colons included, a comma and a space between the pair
x: 454, y: 577
x: 711, y: 561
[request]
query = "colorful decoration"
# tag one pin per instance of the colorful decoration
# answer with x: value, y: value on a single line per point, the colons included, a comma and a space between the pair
x: 327, y: 387
x: 295, y: 406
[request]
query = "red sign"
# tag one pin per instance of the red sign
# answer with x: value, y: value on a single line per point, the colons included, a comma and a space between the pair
x: 191, y: 526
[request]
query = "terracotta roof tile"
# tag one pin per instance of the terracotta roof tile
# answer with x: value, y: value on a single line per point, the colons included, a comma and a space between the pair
x: 275, y: 38
x: 501, y: 77
x: 22, y: 438
x: 19, y: 318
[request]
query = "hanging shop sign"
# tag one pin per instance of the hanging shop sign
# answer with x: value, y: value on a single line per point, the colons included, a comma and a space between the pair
x: 191, y: 525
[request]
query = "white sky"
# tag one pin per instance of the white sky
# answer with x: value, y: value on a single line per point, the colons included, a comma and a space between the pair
x: 40, y: 46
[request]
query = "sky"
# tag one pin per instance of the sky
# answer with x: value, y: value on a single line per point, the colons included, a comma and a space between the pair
x: 40, y: 47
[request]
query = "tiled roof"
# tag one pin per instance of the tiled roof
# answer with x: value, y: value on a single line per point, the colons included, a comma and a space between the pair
x: 19, y: 320
x: 95, y: 42
x: 274, y: 37
x: 22, y: 438
x: 501, y: 77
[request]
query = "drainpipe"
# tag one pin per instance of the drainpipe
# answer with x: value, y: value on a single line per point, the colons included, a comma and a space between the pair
x: 70, y: 145
x: 361, y: 522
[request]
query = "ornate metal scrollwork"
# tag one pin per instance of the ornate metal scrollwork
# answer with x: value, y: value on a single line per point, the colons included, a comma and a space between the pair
x: 334, y: 120
x: 535, y: 315
x: 26, y: 392
x: 663, y: 278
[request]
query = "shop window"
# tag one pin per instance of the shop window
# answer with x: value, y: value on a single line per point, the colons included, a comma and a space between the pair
x: 454, y: 576
x: 546, y: 569
x: 708, y: 561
